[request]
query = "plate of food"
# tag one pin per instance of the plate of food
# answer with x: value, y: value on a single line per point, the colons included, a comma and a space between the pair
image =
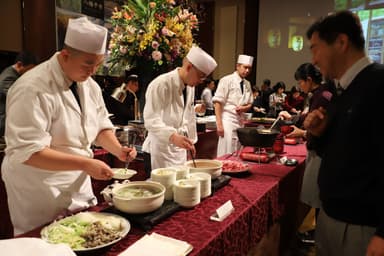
x: 234, y: 167
x: 87, y: 231
x: 123, y: 173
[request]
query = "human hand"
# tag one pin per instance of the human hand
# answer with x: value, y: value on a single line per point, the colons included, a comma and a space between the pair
x: 238, y: 110
x: 260, y: 110
x: 200, y: 108
x: 181, y: 141
x: 220, y: 130
x: 127, y: 154
x: 98, y: 169
x: 296, y: 132
x: 315, y: 121
x: 285, y: 115
x: 375, y: 247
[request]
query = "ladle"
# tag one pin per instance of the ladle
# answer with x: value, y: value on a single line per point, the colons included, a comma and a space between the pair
x: 274, y: 123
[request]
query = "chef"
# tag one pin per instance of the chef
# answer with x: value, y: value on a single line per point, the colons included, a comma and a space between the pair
x: 50, y: 127
x: 169, y: 114
x: 233, y: 97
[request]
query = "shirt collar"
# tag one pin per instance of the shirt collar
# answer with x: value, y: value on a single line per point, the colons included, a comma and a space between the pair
x: 352, y: 72
x: 238, y: 77
x: 134, y: 94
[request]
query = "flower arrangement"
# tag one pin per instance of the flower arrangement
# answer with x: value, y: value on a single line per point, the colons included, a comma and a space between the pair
x: 156, y: 34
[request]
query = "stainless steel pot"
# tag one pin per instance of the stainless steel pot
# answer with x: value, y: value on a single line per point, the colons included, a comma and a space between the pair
x: 127, y: 135
x: 255, y: 137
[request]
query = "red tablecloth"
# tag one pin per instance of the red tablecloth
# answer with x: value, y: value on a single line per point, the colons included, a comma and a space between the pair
x: 268, y: 194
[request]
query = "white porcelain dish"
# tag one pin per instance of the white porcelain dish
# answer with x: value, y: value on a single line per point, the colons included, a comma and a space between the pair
x: 67, y: 230
x: 123, y: 173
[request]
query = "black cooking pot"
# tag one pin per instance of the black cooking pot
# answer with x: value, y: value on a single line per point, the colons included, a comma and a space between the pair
x: 256, y: 137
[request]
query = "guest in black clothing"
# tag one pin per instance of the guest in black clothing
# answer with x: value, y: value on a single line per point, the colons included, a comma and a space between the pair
x: 311, y: 83
x: 257, y: 109
x: 24, y: 62
x: 125, y: 107
x: 349, y: 139
x: 265, y: 91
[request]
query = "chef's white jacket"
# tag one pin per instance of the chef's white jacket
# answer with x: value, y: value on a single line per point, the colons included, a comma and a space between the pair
x: 42, y: 112
x: 229, y: 94
x: 166, y: 113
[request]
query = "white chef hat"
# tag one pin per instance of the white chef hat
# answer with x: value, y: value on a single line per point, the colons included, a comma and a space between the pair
x: 86, y: 36
x: 201, y: 60
x: 245, y: 59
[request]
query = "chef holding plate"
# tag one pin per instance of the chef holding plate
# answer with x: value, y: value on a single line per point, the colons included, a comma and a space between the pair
x: 55, y: 112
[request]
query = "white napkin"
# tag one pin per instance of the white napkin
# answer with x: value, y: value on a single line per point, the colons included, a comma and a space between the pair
x: 33, y: 246
x: 159, y: 245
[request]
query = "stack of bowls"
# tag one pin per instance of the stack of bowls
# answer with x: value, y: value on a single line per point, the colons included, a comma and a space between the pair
x: 205, y: 182
x: 167, y: 177
x: 187, y: 192
x: 182, y: 171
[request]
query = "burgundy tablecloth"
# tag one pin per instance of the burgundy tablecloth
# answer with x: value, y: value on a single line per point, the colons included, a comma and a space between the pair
x: 259, y: 200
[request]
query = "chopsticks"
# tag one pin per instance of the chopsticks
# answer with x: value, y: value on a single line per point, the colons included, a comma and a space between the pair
x: 193, y: 159
x: 190, y: 152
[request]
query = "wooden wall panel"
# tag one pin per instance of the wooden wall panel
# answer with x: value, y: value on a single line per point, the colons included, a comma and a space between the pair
x: 39, y: 18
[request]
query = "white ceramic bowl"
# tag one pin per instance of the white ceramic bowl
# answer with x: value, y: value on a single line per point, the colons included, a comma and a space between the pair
x: 123, y: 173
x: 182, y: 171
x: 205, y: 183
x: 213, y: 167
x: 187, y: 192
x: 166, y: 176
x: 124, y: 201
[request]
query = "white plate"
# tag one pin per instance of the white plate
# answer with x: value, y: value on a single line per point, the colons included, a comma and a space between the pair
x: 123, y: 173
x: 119, y: 224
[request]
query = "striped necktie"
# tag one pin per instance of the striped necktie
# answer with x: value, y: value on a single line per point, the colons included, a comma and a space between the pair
x: 73, y: 88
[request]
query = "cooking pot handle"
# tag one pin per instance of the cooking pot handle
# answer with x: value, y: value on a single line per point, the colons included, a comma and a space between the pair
x: 107, y: 191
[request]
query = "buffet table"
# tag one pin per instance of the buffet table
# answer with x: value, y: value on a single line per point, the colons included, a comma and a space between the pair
x: 268, y: 194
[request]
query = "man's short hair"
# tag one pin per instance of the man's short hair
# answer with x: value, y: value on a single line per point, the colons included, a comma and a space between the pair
x: 26, y: 58
x: 342, y: 22
x: 267, y: 82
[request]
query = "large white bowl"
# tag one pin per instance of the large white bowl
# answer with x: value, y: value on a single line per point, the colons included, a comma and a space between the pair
x: 213, y: 167
x: 137, y: 205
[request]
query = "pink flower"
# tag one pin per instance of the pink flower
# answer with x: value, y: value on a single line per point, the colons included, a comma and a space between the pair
x: 167, y: 32
x: 155, y: 45
x: 156, y: 55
